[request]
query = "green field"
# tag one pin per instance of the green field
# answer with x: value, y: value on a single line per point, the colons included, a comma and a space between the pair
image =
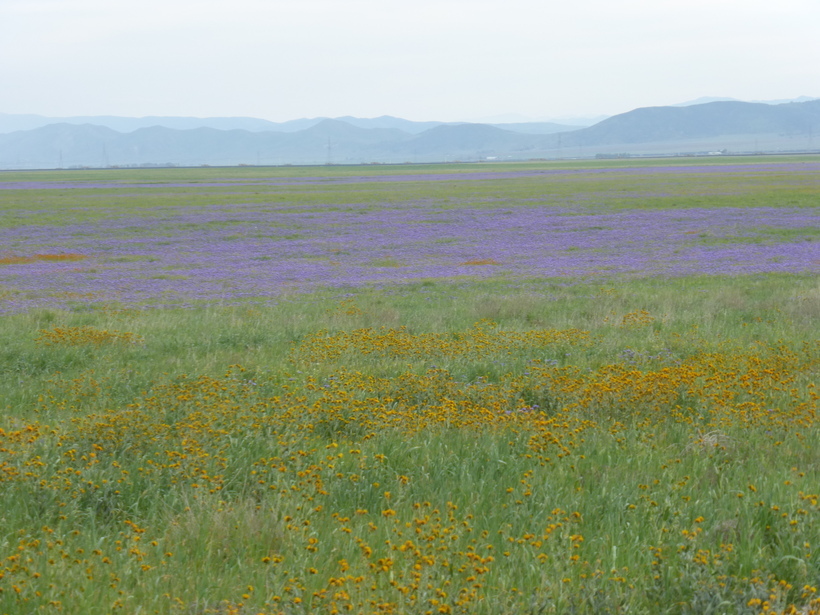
x: 490, y: 443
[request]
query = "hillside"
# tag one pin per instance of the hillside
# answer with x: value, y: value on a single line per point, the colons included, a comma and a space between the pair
x: 467, y: 140
x: 652, y: 124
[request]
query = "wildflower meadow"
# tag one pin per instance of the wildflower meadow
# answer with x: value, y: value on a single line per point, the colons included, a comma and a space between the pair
x: 531, y: 388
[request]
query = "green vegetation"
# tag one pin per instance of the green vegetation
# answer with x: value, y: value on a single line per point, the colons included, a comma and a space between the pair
x: 764, y: 235
x: 497, y: 446
x: 142, y: 472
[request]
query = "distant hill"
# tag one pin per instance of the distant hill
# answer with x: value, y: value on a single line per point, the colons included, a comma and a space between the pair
x: 537, y: 128
x: 388, y: 121
x: 344, y: 132
x: 721, y: 126
x: 708, y: 99
x: 43, y: 147
x: 88, y: 145
x: 466, y: 138
x: 12, y: 123
x: 654, y: 124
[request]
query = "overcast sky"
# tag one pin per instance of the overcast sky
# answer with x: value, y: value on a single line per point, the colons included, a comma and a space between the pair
x: 417, y: 59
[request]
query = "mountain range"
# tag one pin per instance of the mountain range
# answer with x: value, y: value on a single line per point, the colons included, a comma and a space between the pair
x: 15, y: 122
x: 719, y: 126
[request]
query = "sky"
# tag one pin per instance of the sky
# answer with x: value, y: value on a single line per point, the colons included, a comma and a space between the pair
x: 446, y: 60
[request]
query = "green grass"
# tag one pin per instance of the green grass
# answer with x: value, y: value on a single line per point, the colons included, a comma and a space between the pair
x: 762, y: 235
x: 634, y: 490
x: 205, y: 340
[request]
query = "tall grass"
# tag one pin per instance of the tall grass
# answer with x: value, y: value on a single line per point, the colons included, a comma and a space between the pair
x: 647, y: 446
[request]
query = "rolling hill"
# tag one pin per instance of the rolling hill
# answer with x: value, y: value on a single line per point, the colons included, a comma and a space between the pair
x: 653, y: 124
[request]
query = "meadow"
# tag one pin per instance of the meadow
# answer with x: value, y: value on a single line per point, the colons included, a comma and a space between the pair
x: 577, y: 387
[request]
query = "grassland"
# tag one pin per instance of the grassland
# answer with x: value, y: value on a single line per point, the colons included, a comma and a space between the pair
x: 476, y: 443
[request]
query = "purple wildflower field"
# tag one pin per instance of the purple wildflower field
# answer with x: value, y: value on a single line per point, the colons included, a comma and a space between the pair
x: 188, y: 255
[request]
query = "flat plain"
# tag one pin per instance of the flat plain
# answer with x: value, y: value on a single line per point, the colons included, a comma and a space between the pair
x: 577, y: 387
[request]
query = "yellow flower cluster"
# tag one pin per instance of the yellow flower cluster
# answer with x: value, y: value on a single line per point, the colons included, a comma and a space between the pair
x: 78, y: 336
x: 637, y: 318
x: 482, y: 340
x: 632, y: 320
x: 334, y: 517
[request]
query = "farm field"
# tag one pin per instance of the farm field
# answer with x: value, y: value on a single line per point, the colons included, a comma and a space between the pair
x: 578, y: 387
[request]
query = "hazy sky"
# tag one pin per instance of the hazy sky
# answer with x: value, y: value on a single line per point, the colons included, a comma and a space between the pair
x: 418, y: 59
